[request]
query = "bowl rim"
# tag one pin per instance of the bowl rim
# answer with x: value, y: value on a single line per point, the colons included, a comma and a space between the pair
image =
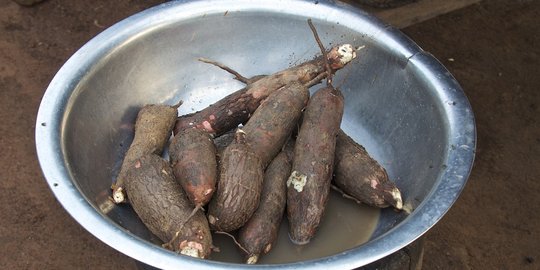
x: 50, y: 123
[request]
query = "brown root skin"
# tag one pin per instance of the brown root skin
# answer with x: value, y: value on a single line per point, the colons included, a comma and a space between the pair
x: 239, y: 186
x: 273, y: 122
x: 362, y: 177
x: 193, y: 159
x: 165, y: 209
x: 258, y: 234
x: 309, y: 184
x: 236, y: 108
x: 152, y: 131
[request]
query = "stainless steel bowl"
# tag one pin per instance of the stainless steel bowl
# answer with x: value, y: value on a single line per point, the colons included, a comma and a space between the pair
x: 401, y: 104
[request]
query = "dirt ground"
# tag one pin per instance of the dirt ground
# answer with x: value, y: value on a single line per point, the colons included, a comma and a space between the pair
x: 496, y: 51
x: 492, y: 48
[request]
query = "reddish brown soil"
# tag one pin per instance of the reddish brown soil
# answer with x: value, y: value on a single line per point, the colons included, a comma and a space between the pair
x: 496, y: 51
x: 495, y: 48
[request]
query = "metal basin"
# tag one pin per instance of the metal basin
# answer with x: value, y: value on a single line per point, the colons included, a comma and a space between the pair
x: 401, y: 104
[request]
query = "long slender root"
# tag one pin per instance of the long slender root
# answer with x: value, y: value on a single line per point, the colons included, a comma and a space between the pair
x: 345, y: 195
x: 316, y: 80
x: 169, y: 245
x: 177, y: 105
x: 237, y: 75
x: 323, y: 51
x: 234, y: 239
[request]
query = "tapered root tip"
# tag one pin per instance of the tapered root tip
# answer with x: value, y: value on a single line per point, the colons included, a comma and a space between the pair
x: 205, y: 60
x: 253, y: 259
x: 299, y: 242
x: 177, y: 105
x: 118, y: 195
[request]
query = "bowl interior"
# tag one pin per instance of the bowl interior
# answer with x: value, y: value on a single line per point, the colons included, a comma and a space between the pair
x: 392, y: 107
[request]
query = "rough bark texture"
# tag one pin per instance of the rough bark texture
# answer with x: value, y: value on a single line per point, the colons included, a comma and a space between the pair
x: 193, y: 159
x: 152, y: 131
x: 309, y: 184
x: 236, y: 108
x: 239, y: 186
x: 274, y: 120
x: 360, y: 176
x: 164, y: 208
x: 259, y: 233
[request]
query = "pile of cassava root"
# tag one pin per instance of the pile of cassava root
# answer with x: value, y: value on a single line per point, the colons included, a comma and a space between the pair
x: 288, y: 152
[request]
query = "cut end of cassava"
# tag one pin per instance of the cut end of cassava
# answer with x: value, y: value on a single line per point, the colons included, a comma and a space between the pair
x: 393, y: 197
x: 267, y: 248
x: 240, y: 136
x: 204, y: 197
x: 347, y: 53
x: 211, y: 219
x: 253, y: 259
x: 341, y: 55
x: 398, y: 201
x: 189, y: 251
x: 192, y: 249
x: 199, y: 195
x: 118, y: 195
